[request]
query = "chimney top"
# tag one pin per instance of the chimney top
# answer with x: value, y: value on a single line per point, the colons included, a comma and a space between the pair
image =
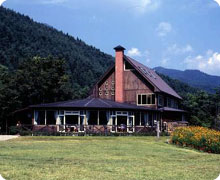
x: 119, y: 48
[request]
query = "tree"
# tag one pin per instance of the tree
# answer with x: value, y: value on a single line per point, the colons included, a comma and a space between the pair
x: 200, y: 109
x: 37, y: 80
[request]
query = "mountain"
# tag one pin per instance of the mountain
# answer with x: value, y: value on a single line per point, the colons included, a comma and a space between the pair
x: 194, y: 78
x: 22, y: 38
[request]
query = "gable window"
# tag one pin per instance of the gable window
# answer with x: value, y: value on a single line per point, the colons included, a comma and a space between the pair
x: 128, y: 66
x: 145, y: 99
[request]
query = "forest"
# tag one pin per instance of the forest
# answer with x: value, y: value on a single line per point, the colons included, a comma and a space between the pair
x: 40, y: 64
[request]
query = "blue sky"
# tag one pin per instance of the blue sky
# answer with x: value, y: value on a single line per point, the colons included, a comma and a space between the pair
x: 180, y: 34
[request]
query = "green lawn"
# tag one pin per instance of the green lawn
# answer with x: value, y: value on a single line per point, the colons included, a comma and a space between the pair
x: 123, y: 158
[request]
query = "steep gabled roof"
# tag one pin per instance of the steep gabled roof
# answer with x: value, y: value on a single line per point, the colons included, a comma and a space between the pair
x: 152, y: 77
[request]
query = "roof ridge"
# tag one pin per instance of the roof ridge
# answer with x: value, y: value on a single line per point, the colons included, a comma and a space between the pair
x: 105, y: 102
x: 88, y: 102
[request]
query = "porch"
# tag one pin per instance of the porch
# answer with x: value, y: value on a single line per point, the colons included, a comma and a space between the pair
x: 94, y: 121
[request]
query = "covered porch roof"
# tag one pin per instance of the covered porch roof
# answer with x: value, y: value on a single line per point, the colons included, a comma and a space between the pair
x: 168, y: 109
x: 92, y: 103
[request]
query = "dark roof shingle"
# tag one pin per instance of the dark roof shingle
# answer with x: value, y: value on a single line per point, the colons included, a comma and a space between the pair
x: 92, y: 103
x: 151, y: 76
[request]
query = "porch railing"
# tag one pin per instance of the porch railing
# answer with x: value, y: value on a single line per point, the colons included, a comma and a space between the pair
x: 85, y: 129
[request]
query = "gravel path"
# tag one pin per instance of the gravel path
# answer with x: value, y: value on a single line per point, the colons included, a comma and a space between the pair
x: 7, y: 137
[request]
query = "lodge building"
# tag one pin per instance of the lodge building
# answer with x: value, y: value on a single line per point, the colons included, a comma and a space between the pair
x: 129, y: 97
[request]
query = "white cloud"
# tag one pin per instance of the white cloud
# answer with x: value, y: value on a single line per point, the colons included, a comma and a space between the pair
x: 138, y: 6
x: 134, y: 52
x: 217, y: 1
x: 177, y: 50
x: 163, y: 29
x: 145, y: 55
x: 53, y: 1
x: 209, y: 63
x: 165, y: 61
x: 2, y: 1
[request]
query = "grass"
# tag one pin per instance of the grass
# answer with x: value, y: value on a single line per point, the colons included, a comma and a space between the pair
x: 86, y: 158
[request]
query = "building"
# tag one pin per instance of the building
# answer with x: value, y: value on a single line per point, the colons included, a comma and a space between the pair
x: 129, y: 97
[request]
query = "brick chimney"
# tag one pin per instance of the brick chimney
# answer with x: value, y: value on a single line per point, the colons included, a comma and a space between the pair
x: 119, y: 74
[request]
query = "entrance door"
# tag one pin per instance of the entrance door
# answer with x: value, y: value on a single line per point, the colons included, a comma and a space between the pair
x: 122, y: 123
x: 113, y: 123
x: 130, y: 124
x: 72, y: 119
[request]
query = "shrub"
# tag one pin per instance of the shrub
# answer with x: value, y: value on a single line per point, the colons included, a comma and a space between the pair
x: 200, y: 138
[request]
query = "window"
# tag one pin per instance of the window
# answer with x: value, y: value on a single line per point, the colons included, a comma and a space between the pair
x: 51, y: 117
x: 153, y: 98
x: 100, y: 89
x: 112, y: 113
x: 100, y: 93
x: 145, y: 99
x: 172, y: 103
x: 160, y: 100
x: 112, y: 93
x: 128, y: 66
x: 139, y: 99
x: 40, y: 117
x: 61, y: 112
x: 106, y: 93
x: 168, y: 102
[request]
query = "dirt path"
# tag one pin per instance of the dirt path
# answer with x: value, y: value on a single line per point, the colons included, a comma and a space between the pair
x: 7, y: 137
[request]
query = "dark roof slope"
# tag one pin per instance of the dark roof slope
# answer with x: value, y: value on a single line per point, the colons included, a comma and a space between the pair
x: 151, y: 76
x: 91, y: 103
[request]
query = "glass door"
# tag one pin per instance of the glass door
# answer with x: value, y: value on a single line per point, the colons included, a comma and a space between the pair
x: 113, y: 123
x: 130, y: 124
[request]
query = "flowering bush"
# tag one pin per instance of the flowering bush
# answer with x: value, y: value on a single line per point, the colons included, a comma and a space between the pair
x: 201, y: 138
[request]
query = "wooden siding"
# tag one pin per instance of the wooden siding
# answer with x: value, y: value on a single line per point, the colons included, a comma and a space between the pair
x: 106, y: 89
x: 134, y: 84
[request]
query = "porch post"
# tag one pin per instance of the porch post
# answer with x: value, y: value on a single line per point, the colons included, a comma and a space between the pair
x: 134, y: 123
x: 79, y: 119
x: 147, y: 119
x: 140, y: 118
x: 85, y: 120
x: 45, y: 117
x: 183, y: 118
x: 98, y: 117
x: 35, y: 122
x: 127, y: 122
x: 161, y: 121
x: 116, y: 122
x: 64, y: 119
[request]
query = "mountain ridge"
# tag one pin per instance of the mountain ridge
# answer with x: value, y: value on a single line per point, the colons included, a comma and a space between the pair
x: 195, y: 78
